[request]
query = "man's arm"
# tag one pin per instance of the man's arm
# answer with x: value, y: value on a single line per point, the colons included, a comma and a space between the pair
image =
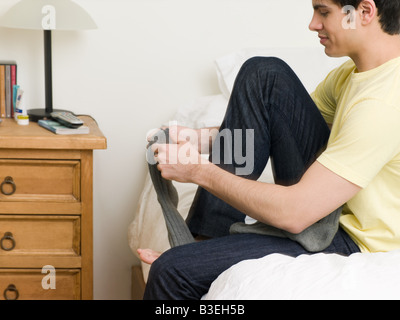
x: 293, y: 208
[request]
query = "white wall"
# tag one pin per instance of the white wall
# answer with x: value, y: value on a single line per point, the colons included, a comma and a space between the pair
x: 147, y: 58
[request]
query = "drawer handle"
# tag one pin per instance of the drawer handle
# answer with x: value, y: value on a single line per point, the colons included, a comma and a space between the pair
x: 11, y: 293
x: 8, y: 181
x: 8, y: 236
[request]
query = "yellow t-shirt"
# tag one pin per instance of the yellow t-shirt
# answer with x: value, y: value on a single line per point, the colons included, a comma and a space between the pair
x: 364, y: 148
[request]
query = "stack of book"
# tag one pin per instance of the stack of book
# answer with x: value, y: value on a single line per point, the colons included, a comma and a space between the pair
x: 8, y: 79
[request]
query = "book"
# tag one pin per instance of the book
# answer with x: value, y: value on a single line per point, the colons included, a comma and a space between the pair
x: 2, y: 91
x: 58, y: 128
x: 8, y: 91
x: 8, y: 79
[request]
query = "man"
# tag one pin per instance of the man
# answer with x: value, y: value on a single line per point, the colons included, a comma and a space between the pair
x: 316, y: 169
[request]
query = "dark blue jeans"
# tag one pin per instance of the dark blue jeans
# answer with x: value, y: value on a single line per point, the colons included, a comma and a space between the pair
x: 288, y: 128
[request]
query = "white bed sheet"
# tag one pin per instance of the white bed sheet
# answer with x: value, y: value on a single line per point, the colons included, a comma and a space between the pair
x: 311, y: 277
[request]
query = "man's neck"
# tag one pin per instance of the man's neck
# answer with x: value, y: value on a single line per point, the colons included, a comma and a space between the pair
x: 376, y: 52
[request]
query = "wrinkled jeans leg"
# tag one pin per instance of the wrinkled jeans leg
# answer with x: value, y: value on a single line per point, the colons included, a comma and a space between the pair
x: 272, y: 111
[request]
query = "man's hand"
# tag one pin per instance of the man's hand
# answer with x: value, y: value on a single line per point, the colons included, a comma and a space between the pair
x: 179, y: 162
x: 201, y: 139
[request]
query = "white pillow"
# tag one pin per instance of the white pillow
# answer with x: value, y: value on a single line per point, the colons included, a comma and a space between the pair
x: 148, y: 229
x: 204, y: 112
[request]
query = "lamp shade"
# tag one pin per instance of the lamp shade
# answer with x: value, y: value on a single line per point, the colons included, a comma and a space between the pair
x: 35, y: 14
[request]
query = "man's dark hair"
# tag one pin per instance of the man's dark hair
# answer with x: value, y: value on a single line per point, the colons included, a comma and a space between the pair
x: 388, y: 13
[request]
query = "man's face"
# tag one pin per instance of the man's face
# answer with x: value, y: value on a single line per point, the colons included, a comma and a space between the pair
x: 328, y: 20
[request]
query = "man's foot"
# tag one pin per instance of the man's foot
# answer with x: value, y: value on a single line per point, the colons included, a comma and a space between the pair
x: 148, y: 256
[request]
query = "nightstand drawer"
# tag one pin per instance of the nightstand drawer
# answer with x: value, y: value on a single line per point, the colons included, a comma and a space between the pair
x: 39, y: 180
x: 32, y: 284
x: 39, y: 235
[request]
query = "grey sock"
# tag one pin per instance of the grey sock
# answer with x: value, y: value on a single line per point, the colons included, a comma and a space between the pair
x: 178, y: 231
x: 314, y: 239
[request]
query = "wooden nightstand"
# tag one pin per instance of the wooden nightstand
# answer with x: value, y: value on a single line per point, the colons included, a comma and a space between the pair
x: 46, y: 211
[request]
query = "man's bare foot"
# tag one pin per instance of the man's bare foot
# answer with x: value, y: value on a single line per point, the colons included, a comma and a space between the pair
x: 148, y: 256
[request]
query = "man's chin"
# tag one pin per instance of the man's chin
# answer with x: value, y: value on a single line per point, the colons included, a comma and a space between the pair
x: 333, y: 54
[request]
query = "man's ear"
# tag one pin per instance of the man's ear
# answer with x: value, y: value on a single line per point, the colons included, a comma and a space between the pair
x: 367, y: 11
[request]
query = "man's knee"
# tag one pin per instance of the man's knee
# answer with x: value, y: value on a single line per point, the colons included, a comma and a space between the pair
x: 271, y: 64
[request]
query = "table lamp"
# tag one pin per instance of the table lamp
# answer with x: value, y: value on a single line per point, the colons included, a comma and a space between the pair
x: 47, y: 15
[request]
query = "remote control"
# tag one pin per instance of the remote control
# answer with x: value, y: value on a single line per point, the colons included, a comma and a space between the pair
x: 67, y: 119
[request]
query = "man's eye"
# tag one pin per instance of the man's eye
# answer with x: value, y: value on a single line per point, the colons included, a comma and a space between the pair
x: 324, y: 13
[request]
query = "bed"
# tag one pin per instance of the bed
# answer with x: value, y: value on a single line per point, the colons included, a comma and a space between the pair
x: 321, y: 276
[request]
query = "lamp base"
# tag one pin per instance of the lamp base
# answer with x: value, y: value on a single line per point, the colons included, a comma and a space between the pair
x: 38, y: 114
